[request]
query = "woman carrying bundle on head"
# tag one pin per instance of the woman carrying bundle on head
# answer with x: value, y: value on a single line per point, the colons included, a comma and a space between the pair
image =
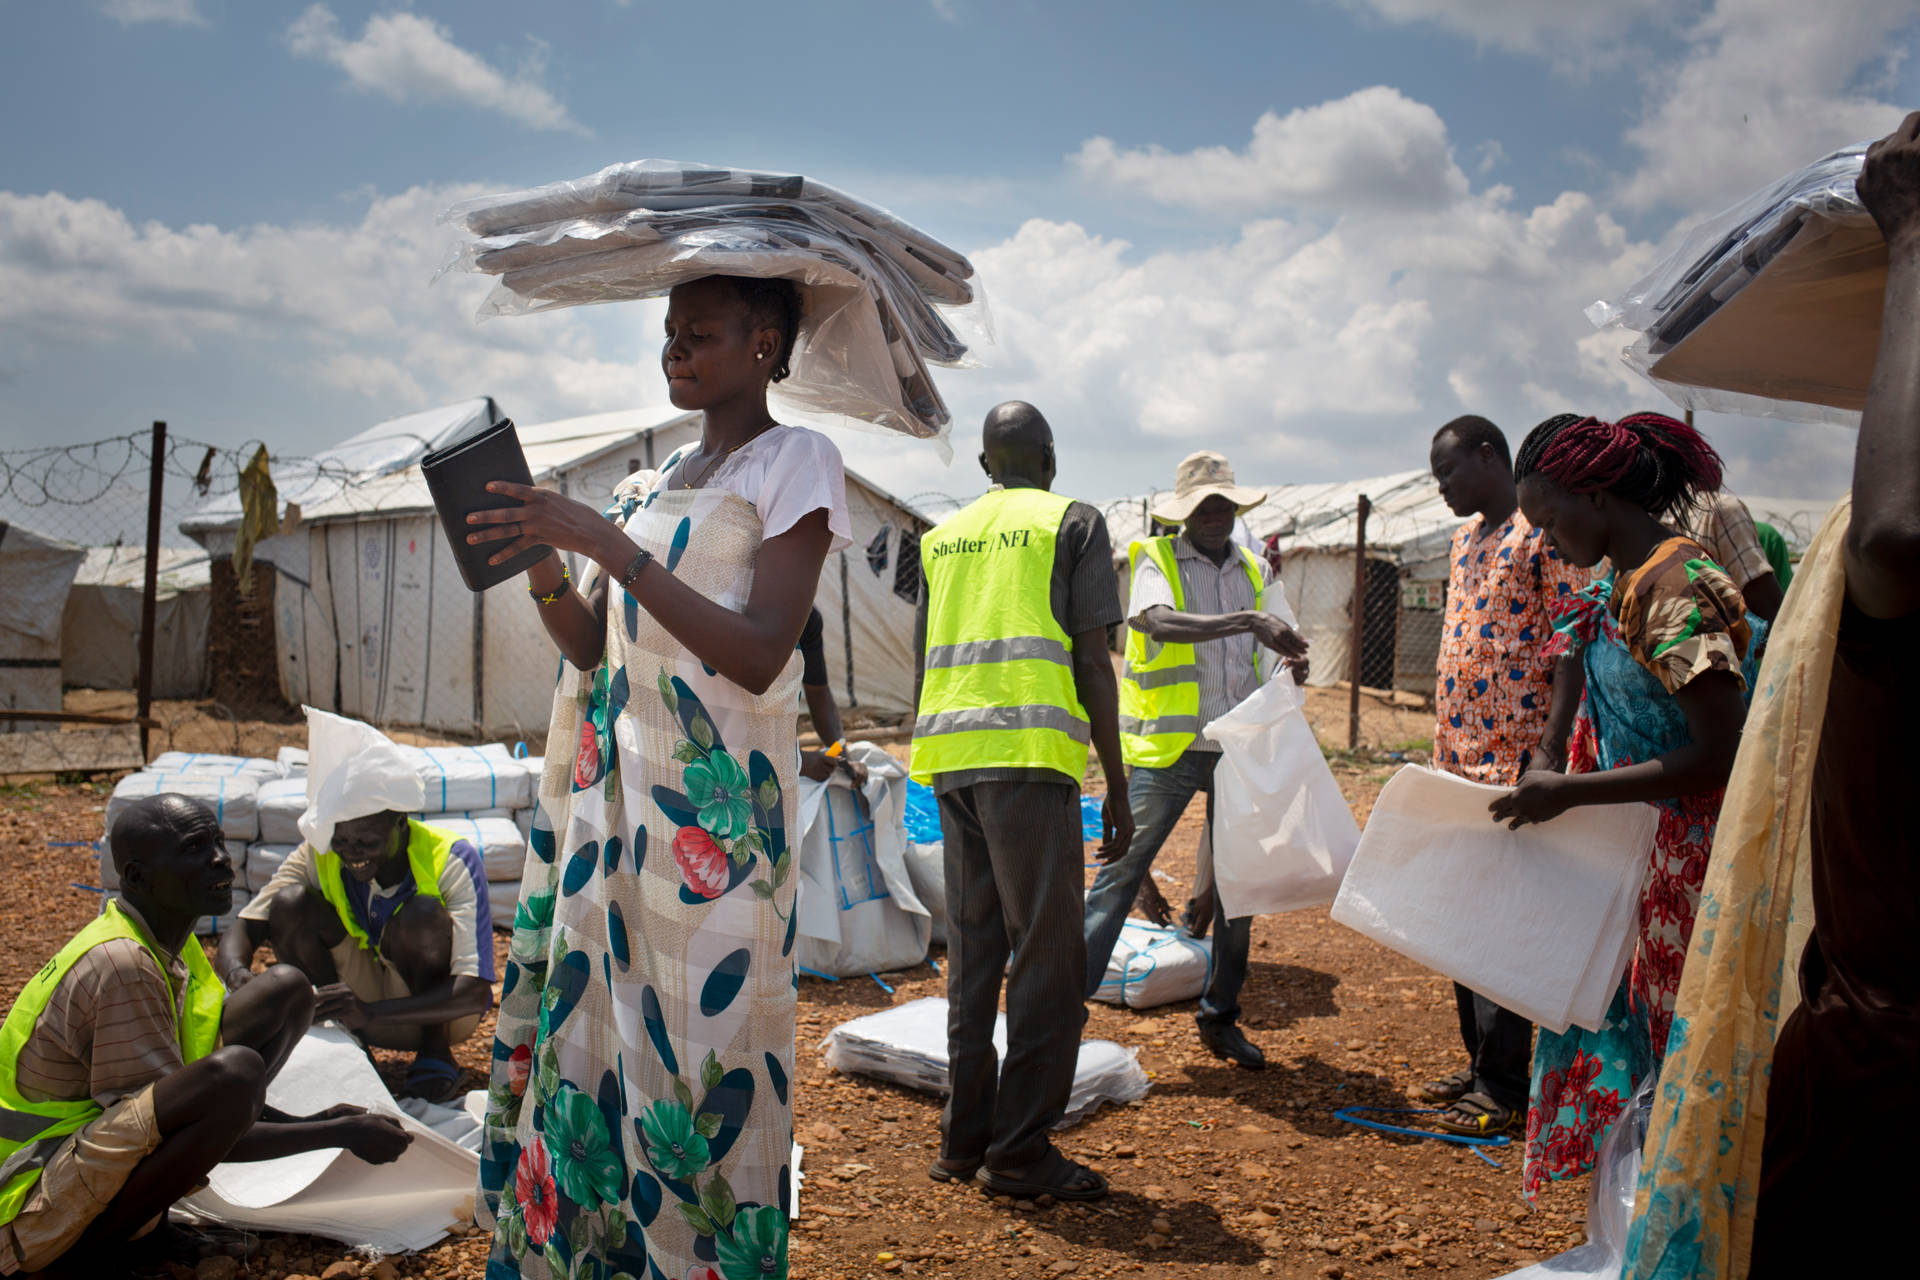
x: 639, y: 1120
x: 1668, y: 652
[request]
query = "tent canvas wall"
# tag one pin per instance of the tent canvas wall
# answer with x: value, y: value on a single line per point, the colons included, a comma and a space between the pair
x: 373, y: 620
x: 100, y: 631
x: 36, y: 572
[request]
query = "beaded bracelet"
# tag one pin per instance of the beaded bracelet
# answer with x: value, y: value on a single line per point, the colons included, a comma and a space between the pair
x: 554, y: 596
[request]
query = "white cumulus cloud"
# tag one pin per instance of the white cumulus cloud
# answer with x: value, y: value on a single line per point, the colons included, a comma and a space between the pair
x: 1375, y: 147
x: 1575, y: 35
x: 185, y: 13
x: 405, y: 57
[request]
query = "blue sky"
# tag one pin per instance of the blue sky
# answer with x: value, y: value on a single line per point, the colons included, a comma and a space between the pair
x: 1301, y: 233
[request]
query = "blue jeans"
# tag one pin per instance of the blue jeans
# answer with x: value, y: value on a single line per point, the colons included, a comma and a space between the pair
x: 1158, y: 797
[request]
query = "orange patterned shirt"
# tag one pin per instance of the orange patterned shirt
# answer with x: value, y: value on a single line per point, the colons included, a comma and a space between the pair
x: 1495, y: 680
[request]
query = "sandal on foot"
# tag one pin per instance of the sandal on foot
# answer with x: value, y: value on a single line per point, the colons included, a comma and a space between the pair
x: 1476, y: 1115
x: 1448, y: 1088
x: 946, y: 1170
x: 434, y: 1080
x: 1052, y: 1175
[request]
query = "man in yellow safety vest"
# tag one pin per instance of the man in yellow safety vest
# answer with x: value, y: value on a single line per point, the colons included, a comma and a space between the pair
x: 1015, y: 682
x: 1202, y: 612
x: 125, y: 1071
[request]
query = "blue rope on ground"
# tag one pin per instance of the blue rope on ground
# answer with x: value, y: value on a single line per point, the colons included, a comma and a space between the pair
x: 1473, y: 1144
x: 883, y: 986
x: 69, y: 844
x: 85, y: 888
x: 815, y: 973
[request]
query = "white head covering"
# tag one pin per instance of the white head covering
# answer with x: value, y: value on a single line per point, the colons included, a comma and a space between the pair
x: 353, y: 771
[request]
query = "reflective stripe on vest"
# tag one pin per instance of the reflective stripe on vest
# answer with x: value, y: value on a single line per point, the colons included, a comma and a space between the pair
x: 997, y: 689
x: 1160, y: 684
x: 428, y: 849
x: 25, y: 1123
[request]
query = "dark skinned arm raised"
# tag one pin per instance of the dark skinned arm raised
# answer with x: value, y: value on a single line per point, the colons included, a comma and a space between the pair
x: 1099, y: 693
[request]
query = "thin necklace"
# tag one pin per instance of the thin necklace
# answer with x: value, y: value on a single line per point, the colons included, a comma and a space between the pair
x: 714, y: 465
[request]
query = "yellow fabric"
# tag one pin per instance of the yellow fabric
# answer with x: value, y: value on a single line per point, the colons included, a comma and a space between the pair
x: 1700, y: 1172
x: 1160, y: 717
x: 427, y: 852
x: 259, y: 516
x: 199, y: 1035
x: 997, y: 689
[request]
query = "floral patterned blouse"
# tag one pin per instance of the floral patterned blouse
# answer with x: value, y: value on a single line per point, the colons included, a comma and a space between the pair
x: 1681, y: 616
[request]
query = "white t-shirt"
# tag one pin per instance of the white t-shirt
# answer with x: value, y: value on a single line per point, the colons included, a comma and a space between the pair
x: 787, y: 473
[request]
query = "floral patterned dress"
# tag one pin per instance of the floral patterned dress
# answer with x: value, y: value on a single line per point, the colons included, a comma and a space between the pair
x: 639, y: 1119
x: 1640, y: 641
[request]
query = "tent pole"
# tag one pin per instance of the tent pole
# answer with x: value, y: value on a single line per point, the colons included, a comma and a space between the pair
x: 1358, y: 635
x: 150, y: 590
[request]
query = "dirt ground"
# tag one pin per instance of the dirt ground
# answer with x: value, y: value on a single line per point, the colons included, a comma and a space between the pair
x: 1218, y: 1172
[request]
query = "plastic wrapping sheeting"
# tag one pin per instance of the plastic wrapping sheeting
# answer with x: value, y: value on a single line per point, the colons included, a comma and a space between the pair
x: 1151, y: 966
x: 263, y: 860
x: 927, y: 869
x: 485, y: 777
x: 503, y: 900
x: 356, y: 771
x: 235, y: 801
x: 1770, y: 308
x: 1433, y: 869
x: 261, y: 771
x: 281, y: 804
x: 857, y: 909
x: 1610, y: 1196
x: 390, y: 1208
x: 908, y: 1045
x: 523, y: 819
x: 503, y: 850
x: 292, y: 762
x: 874, y: 286
x: 1282, y: 832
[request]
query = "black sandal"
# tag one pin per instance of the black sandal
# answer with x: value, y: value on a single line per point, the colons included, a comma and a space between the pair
x: 944, y: 1170
x: 1478, y: 1116
x: 1448, y: 1089
x: 1052, y: 1175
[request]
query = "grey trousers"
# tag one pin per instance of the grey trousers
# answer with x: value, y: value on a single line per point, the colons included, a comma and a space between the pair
x: 1014, y: 881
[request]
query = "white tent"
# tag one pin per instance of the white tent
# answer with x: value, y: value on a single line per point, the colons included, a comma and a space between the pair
x: 36, y: 573
x: 373, y: 620
x: 100, y: 632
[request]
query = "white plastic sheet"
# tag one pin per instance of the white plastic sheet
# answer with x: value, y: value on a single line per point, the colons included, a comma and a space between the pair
x: 1610, y: 1195
x: 456, y: 778
x: 1539, y: 920
x: 292, y: 762
x: 262, y: 861
x: 503, y: 850
x: 1282, y: 832
x: 254, y: 767
x: 354, y: 771
x: 389, y: 1208
x: 235, y: 801
x: 908, y: 1045
x: 1151, y: 966
x: 503, y: 900
x: 873, y: 286
x: 281, y: 804
x: 858, y: 912
x: 927, y: 869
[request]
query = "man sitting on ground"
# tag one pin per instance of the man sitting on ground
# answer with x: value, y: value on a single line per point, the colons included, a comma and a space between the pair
x: 391, y: 923
x: 126, y: 1073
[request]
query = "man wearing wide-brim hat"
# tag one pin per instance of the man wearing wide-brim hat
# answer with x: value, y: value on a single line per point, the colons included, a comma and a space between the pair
x: 1205, y: 614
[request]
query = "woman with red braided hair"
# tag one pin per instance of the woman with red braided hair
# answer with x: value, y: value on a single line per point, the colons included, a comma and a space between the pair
x: 1669, y: 654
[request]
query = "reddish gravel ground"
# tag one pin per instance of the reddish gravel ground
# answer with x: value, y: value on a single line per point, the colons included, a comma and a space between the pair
x: 1219, y: 1172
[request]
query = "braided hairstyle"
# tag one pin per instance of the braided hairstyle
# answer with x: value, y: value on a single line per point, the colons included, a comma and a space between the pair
x: 1660, y: 464
x: 772, y: 303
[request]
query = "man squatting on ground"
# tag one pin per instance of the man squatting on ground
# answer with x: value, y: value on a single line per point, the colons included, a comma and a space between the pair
x: 1015, y: 680
x: 391, y: 924
x: 1204, y: 608
x: 126, y: 1072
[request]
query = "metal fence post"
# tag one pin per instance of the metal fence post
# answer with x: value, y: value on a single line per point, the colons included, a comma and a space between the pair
x: 1358, y: 636
x: 150, y: 591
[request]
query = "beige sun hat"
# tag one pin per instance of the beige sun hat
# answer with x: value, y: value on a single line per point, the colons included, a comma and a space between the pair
x: 1198, y: 477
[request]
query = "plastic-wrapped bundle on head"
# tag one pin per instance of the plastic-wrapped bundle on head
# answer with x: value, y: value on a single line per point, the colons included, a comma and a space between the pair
x: 353, y: 771
x: 882, y: 300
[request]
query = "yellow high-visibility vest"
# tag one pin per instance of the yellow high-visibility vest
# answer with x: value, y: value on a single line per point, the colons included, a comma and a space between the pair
x: 998, y: 689
x: 428, y: 849
x: 1160, y: 684
x: 23, y: 1122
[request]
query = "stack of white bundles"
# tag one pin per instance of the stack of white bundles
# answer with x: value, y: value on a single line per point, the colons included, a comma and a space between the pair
x: 927, y: 869
x: 503, y: 850
x: 292, y: 762
x: 1770, y: 308
x: 875, y: 288
x: 1152, y: 966
x: 458, y: 778
x: 503, y: 902
x: 227, y: 766
x: 908, y: 1045
x: 281, y: 804
x: 1539, y: 920
x: 263, y: 860
x: 857, y: 912
x: 235, y: 799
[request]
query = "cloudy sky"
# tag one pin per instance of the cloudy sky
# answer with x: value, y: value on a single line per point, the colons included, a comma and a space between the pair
x: 1301, y: 233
